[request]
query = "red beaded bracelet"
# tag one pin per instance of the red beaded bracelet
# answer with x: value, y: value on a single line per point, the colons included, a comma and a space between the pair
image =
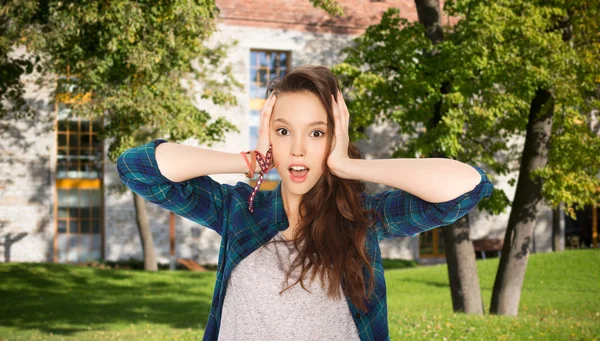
x: 264, y: 163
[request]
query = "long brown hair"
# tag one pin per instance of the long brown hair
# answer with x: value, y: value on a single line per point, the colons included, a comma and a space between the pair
x: 333, y: 225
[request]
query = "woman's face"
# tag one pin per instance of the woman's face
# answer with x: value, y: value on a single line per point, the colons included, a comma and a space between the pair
x: 299, y: 136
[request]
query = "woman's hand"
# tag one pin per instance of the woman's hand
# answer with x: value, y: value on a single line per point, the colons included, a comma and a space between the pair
x: 338, y: 158
x: 263, y: 131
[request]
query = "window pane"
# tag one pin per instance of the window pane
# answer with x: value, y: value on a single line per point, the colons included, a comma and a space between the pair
x: 74, y: 212
x: 61, y: 169
x: 283, y: 60
x: 96, y: 251
x: 85, y: 226
x: 85, y: 244
x: 253, y: 59
x: 255, y: 91
x: 95, y: 140
x: 95, y: 212
x: 273, y: 60
x: 84, y: 140
x: 252, y: 75
x: 62, y: 125
x: 62, y: 140
x: 96, y: 169
x: 73, y: 226
x: 66, y: 198
x: 95, y: 226
x: 85, y: 126
x: 262, y: 59
x: 62, y: 212
x: 62, y: 246
x: 85, y: 212
x: 84, y: 198
x: 95, y: 197
x: 72, y: 252
x: 262, y: 78
x: 73, y: 140
x: 73, y: 126
x: 62, y: 226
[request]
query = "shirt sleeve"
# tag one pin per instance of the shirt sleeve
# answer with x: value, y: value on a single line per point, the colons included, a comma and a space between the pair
x: 401, y: 214
x: 200, y: 199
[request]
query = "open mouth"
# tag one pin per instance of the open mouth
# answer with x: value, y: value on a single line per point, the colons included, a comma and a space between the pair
x: 298, y: 173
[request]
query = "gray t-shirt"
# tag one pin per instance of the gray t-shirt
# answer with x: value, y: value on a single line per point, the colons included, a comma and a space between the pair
x: 253, y: 309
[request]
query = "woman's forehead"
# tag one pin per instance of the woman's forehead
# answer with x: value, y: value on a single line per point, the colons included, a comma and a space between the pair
x: 298, y: 108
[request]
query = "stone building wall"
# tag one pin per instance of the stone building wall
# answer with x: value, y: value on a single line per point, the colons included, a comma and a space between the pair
x: 26, y: 178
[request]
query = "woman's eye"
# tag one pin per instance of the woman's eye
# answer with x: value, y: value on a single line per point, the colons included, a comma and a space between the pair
x: 282, y: 130
x: 319, y: 133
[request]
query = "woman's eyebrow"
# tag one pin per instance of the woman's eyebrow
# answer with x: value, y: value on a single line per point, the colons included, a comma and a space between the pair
x: 286, y: 122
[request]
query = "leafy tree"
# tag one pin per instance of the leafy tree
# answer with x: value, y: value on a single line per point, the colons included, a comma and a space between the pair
x: 506, y: 70
x: 135, y: 59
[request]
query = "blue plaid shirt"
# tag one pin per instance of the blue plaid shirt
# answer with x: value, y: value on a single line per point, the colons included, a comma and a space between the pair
x: 224, y: 209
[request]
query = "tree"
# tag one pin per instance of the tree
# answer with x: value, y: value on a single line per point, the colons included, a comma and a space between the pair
x: 512, y: 75
x: 458, y: 248
x: 135, y: 59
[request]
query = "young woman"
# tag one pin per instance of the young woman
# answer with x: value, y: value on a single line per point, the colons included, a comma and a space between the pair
x: 317, y: 223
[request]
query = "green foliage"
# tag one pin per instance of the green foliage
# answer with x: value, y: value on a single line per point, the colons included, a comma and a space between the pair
x: 135, y: 58
x: 14, y: 17
x: 330, y: 6
x: 494, y: 59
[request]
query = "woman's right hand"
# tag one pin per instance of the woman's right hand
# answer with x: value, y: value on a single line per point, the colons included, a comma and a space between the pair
x: 263, y: 131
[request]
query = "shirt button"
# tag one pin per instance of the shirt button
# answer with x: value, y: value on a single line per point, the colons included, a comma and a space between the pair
x: 357, y: 315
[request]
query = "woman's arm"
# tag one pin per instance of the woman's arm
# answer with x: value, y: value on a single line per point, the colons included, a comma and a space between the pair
x: 178, y: 162
x: 182, y: 187
x: 434, y: 179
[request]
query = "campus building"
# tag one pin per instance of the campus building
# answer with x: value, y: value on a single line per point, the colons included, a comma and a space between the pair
x: 61, y: 200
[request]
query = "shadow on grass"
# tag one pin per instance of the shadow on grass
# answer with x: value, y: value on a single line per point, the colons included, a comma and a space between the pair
x: 63, y: 299
x: 391, y: 264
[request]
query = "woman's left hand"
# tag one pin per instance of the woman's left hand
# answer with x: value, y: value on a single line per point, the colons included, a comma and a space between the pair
x: 338, y: 158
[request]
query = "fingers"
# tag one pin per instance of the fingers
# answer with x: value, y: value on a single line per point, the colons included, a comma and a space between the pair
x: 344, y: 113
x: 265, y: 115
x: 340, y: 114
x: 337, y: 117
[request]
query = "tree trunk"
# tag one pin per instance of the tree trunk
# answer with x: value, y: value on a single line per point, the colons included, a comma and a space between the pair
x: 141, y: 218
x: 462, y: 268
x: 430, y: 16
x: 557, y: 230
x: 517, y: 241
x: 460, y: 255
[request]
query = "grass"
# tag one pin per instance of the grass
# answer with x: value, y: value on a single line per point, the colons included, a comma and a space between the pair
x: 560, y: 301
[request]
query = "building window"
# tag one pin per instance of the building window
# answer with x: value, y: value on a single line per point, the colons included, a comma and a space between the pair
x: 431, y: 244
x: 264, y: 66
x: 79, y: 159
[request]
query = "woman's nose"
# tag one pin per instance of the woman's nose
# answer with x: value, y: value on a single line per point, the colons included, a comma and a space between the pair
x: 298, y: 148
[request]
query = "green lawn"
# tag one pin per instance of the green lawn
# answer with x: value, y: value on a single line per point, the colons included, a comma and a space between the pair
x: 560, y: 301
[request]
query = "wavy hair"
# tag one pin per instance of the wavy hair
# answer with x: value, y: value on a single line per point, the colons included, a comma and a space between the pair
x: 333, y: 223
